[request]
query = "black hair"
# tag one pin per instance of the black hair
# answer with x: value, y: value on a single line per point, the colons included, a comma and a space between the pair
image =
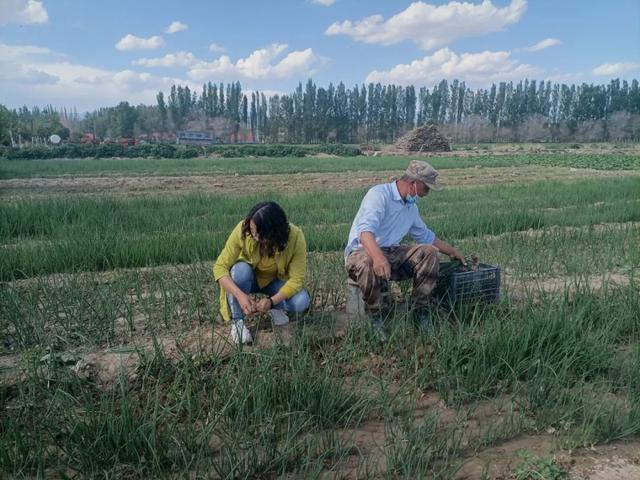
x: 272, y: 227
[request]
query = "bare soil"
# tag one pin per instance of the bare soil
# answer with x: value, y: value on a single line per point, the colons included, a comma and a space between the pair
x: 283, y: 183
x: 520, y: 290
x: 536, y: 232
x: 614, y: 461
x: 537, y: 148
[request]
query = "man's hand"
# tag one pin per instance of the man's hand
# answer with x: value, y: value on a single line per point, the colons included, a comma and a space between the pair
x: 263, y: 305
x: 247, y: 304
x: 457, y: 254
x: 381, y: 267
x: 449, y: 250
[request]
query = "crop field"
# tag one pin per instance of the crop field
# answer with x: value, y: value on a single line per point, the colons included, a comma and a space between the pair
x: 114, y: 364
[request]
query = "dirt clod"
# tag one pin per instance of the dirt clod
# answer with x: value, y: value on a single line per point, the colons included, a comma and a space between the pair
x: 426, y: 138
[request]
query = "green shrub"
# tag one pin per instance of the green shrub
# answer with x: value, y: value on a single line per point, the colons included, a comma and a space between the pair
x: 167, y: 150
x: 109, y: 150
x: 533, y: 468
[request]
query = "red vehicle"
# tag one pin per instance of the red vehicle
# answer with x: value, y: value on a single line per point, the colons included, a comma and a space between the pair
x: 89, y: 138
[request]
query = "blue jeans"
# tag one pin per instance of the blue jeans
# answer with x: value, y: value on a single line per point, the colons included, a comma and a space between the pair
x: 245, y: 278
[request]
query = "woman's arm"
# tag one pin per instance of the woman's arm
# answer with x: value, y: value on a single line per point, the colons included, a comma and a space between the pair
x: 222, y: 268
x: 246, y: 303
x: 297, y: 271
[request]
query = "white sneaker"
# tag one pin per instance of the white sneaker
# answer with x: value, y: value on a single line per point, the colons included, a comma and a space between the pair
x: 240, y: 333
x: 279, y: 317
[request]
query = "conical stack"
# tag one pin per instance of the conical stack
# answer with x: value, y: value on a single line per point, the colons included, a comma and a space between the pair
x: 423, y: 139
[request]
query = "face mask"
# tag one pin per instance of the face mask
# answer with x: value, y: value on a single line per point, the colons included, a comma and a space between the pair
x: 412, y: 199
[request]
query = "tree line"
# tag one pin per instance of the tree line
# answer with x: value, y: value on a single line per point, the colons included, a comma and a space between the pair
x: 528, y: 110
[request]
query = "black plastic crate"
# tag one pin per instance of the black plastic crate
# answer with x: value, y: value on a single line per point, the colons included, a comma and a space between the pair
x: 461, y: 286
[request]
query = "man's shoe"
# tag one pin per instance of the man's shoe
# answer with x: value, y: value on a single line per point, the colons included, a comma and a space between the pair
x: 240, y: 334
x: 423, y: 322
x: 279, y: 317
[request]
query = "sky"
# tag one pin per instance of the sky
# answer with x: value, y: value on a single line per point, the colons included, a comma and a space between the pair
x: 91, y: 53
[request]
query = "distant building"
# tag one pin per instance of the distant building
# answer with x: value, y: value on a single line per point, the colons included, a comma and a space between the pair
x: 89, y: 138
x: 163, y: 136
x: 192, y: 137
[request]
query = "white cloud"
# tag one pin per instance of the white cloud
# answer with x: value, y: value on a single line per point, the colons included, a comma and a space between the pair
x: 259, y: 65
x: 542, y: 44
x: 432, y: 26
x: 476, y: 68
x: 36, y: 76
x: 16, y: 67
x: 176, y: 26
x: 19, y: 52
x: 299, y: 61
x: 214, y: 47
x: 326, y: 3
x: 23, y: 12
x: 615, y: 68
x: 131, y: 42
x: 179, y: 59
x: 25, y: 75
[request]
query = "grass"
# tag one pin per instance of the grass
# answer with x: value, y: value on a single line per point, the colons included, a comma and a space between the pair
x: 271, y: 412
x: 562, y: 364
x: 79, y: 234
x: 532, y: 468
x: 230, y: 418
x: 268, y: 166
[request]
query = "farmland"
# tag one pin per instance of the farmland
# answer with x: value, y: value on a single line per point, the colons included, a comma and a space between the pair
x: 113, y: 362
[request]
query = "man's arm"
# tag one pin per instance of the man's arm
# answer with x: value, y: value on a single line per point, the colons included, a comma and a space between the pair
x: 367, y: 221
x: 421, y: 234
x: 381, y: 265
x: 450, y: 250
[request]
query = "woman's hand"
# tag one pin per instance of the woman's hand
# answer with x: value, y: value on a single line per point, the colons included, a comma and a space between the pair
x: 263, y: 305
x: 247, y: 304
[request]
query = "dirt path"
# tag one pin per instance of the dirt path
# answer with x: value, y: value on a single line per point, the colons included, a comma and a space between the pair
x: 614, y: 461
x: 539, y: 232
x: 283, y: 183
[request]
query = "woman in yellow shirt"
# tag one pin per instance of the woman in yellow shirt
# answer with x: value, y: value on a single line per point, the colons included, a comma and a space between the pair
x: 263, y: 254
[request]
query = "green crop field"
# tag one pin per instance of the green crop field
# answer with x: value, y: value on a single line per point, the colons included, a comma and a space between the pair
x: 114, y: 364
x: 263, y: 166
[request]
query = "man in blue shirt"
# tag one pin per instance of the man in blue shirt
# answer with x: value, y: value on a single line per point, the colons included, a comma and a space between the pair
x: 374, y: 256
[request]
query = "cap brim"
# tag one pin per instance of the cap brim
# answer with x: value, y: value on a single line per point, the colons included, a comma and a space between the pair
x: 436, y: 187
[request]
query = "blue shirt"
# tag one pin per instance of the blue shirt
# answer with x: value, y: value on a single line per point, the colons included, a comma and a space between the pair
x: 384, y: 213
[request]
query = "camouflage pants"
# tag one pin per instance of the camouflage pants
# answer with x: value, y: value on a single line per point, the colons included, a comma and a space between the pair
x: 419, y: 262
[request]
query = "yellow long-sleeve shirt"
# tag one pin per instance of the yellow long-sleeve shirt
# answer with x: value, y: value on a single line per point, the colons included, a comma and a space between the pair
x: 291, y: 262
